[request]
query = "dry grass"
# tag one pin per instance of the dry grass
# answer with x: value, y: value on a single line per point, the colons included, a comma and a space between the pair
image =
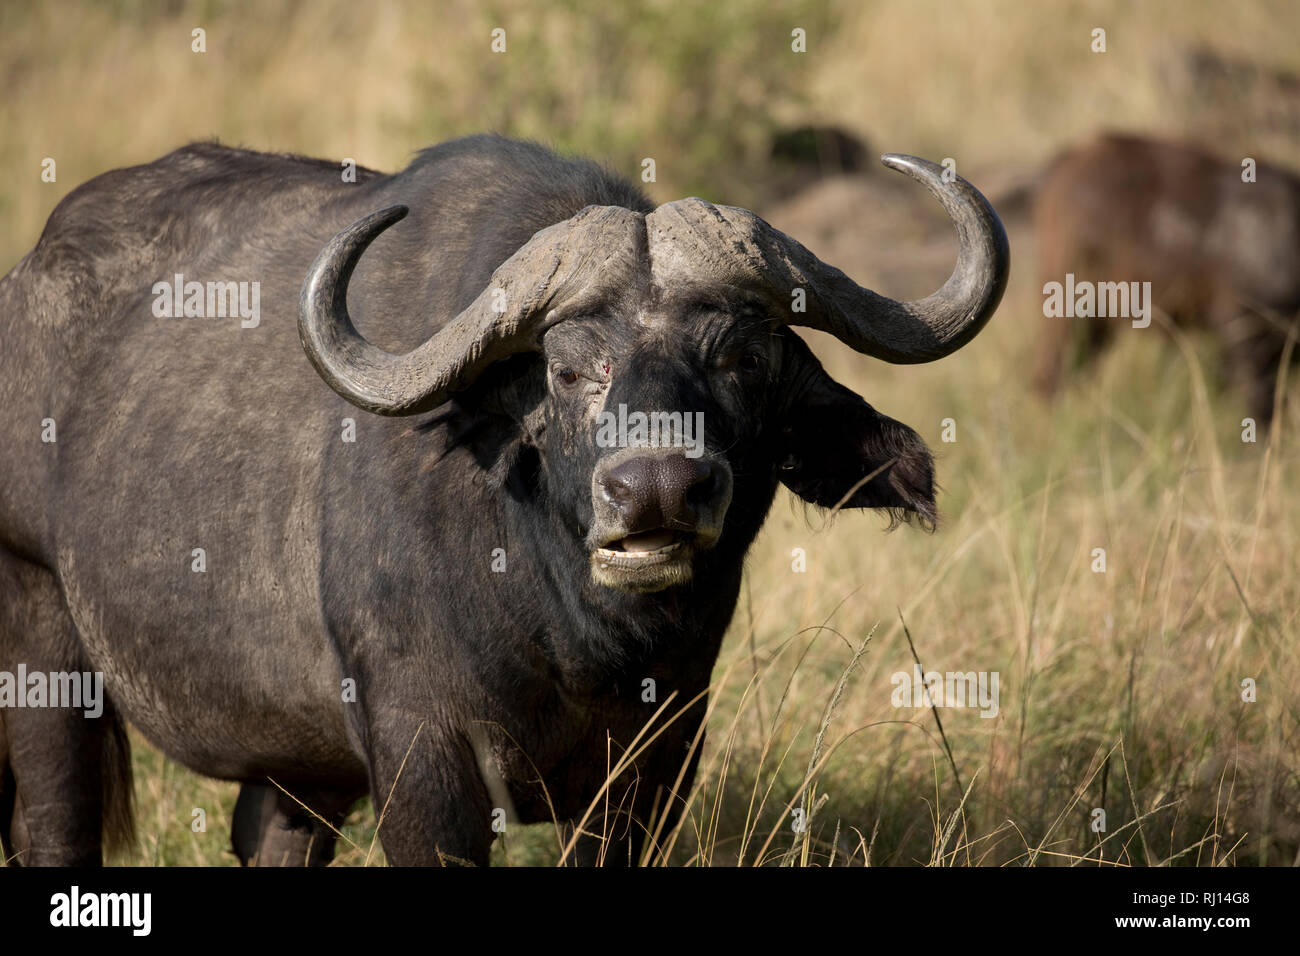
x: 1119, y: 690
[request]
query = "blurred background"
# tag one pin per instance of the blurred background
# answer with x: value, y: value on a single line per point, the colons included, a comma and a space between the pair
x: 1121, y: 689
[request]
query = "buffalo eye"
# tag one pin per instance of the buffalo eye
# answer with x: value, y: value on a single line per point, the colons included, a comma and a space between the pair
x: 567, y: 375
x: 750, y: 362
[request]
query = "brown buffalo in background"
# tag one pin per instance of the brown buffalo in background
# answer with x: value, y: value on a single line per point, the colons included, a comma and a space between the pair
x: 1220, y: 253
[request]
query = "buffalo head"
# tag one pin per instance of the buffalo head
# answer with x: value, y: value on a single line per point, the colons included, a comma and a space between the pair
x: 666, y: 395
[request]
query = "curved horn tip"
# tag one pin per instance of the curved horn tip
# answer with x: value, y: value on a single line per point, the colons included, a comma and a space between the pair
x: 914, y: 166
x: 388, y: 215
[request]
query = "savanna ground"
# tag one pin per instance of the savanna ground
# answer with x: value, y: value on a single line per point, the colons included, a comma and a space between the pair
x: 1120, y: 690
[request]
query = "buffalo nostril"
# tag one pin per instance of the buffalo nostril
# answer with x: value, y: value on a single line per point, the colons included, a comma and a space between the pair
x: 627, y: 484
x: 703, y: 486
x: 615, y: 491
x: 618, y: 492
x: 684, y: 485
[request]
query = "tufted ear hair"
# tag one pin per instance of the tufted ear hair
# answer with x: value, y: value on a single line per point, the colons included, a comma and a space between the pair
x: 835, y: 449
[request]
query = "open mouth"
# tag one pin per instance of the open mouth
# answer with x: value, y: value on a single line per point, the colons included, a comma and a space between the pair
x: 643, y: 549
x: 648, y: 561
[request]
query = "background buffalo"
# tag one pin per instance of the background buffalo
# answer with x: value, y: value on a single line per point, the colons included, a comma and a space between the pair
x: 1219, y: 243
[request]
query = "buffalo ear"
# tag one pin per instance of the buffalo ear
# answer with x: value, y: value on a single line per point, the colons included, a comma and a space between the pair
x: 831, y: 440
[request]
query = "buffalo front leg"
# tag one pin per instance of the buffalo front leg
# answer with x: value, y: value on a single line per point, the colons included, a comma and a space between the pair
x: 645, y: 804
x: 430, y: 802
x: 1253, y: 342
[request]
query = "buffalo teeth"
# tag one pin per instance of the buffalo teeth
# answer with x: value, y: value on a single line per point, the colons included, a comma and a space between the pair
x: 628, y: 559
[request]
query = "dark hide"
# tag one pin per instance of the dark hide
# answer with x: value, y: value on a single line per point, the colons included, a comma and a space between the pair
x: 367, y: 565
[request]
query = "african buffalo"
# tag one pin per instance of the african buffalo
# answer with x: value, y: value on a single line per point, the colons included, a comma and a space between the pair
x: 453, y: 603
x: 1220, y: 252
